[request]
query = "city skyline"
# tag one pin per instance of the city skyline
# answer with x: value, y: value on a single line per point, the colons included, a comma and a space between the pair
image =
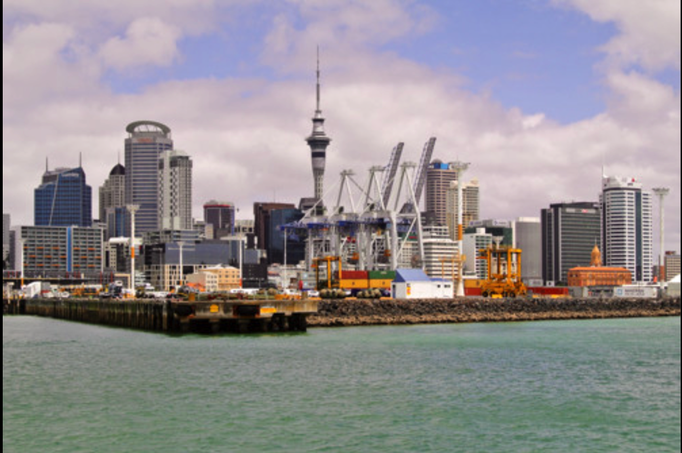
x: 539, y: 103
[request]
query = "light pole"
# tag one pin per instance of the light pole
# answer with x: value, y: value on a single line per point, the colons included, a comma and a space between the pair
x: 661, y: 192
x: 132, y: 208
x: 460, y: 168
x: 284, y: 269
x: 181, y: 244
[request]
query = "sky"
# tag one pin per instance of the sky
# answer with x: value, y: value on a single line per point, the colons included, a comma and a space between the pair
x: 537, y: 95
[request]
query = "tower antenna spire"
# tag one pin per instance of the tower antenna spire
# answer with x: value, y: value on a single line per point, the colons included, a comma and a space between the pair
x: 318, y: 79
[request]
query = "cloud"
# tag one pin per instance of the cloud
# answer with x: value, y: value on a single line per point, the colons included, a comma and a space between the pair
x: 246, y: 135
x: 41, y: 62
x: 148, y: 40
x: 98, y: 20
x: 649, y: 31
x: 347, y: 26
x: 638, y: 100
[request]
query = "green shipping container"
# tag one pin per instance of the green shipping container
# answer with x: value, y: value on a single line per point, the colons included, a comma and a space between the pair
x: 382, y: 275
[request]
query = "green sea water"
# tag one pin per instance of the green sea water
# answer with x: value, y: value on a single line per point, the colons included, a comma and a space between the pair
x: 556, y: 386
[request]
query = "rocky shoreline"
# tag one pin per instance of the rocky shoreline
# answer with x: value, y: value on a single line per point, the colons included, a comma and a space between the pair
x: 339, y: 313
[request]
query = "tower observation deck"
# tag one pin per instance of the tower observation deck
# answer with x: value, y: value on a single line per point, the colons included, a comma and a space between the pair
x: 318, y: 142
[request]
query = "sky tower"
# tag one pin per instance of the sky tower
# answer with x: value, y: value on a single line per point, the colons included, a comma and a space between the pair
x: 318, y: 142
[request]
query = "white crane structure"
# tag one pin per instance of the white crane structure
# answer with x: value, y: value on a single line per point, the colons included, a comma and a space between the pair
x: 376, y: 228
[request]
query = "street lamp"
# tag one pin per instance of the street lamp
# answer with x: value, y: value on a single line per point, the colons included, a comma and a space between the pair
x: 460, y: 168
x: 181, y: 244
x: 661, y: 192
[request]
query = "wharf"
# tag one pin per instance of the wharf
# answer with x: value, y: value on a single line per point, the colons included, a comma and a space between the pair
x: 217, y: 316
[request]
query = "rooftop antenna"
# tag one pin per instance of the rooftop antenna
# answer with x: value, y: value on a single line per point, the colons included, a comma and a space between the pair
x: 46, y: 164
x: 80, y: 160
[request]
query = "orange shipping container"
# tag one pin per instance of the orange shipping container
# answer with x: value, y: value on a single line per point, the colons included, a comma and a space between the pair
x: 353, y: 284
x: 472, y: 283
x: 381, y: 284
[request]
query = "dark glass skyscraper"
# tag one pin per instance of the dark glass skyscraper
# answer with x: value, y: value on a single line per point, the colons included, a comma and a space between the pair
x: 569, y: 233
x: 63, y: 199
x: 295, y: 244
x: 146, y: 140
x: 262, y: 213
x: 220, y: 215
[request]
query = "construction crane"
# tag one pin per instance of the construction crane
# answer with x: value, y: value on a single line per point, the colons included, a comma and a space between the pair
x: 420, y: 176
x: 504, y: 272
x: 391, y: 170
x: 427, y: 153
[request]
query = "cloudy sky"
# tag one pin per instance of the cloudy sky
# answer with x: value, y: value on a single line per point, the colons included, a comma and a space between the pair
x: 537, y: 95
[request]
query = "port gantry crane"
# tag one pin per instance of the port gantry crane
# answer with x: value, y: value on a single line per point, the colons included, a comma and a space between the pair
x: 367, y: 233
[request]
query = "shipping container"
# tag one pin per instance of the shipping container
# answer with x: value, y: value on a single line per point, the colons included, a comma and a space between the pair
x: 472, y: 291
x: 347, y: 283
x: 381, y: 284
x: 353, y: 275
x: 548, y: 290
x: 472, y: 283
x: 381, y: 275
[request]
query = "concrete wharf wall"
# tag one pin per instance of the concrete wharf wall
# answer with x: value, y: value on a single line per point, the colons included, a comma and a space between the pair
x: 173, y: 316
x: 282, y: 316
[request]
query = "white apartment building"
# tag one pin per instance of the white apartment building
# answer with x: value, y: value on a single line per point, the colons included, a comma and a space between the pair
x: 627, y: 227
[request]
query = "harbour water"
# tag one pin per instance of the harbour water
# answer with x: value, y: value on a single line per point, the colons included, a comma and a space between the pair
x: 555, y: 386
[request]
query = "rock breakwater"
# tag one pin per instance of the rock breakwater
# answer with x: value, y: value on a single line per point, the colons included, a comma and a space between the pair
x: 423, y: 311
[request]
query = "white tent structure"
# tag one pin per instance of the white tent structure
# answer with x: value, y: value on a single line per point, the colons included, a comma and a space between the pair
x: 674, y: 286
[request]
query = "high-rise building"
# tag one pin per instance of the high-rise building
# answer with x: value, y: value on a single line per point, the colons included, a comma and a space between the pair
x: 262, y: 224
x: 439, y: 177
x: 528, y: 238
x: 318, y: 142
x: 146, y: 140
x: 472, y: 244
x: 112, y: 210
x: 569, y: 233
x: 50, y: 251
x: 672, y: 265
x: 470, y: 204
x: 220, y: 216
x: 116, y: 219
x: 112, y: 192
x: 175, y: 190
x: 627, y: 227
x: 295, y: 246
x: 440, y: 253
x: 63, y: 199
x: 5, y: 236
